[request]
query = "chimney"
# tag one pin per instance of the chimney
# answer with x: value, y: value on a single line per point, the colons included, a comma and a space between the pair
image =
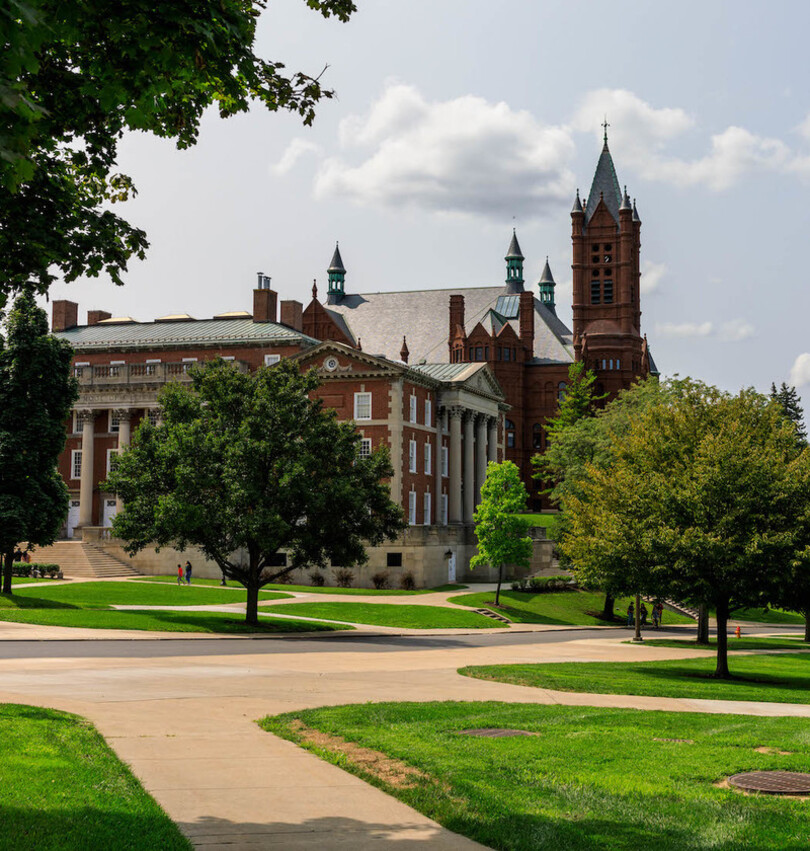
x: 292, y: 314
x: 265, y: 300
x: 527, y: 321
x: 456, y: 313
x: 95, y: 316
x: 64, y: 315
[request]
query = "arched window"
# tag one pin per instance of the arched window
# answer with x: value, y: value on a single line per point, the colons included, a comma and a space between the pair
x: 537, y: 436
x: 510, y: 434
x: 561, y: 388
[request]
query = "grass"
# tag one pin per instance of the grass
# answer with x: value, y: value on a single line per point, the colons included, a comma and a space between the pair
x: 783, y: 678
x: 582, y: 608
x: 739, y: 644
x: 391, y: 614
x: 20, y: 580
x: 544, y: 520
x: 602, y: 779
x: 311, y: 589
x: 63, y: 788
x: 767, y: 616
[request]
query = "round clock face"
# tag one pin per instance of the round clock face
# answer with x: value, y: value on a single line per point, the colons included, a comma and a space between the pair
x: 331, y: 364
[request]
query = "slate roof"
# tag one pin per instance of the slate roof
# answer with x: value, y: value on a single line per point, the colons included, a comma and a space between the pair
x: 142, y: 335
x: 605, y: 186
x: 380, y: 318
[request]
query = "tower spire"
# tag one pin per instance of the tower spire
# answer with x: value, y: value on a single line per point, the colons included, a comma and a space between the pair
x: 514, y: 266
x: 337, y: 278
x: 605, y: 126
x: 546, y: 285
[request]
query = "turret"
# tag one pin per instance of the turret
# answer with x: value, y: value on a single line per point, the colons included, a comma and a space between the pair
x: 514, y: 266
x: 546, y: 284
x: 337, y: 278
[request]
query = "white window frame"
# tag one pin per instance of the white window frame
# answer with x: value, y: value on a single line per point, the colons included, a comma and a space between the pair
x: 412, y: 456
x: 114, y: 366
x: 412, y: 508
x: 365, y: 447
x: 110, y: 453
x: 428, y: 458
x: 445, y: 509
x: 113, y: 422
x: 428, y: 508
x: 78, y: 367
x: 413, y: 408
x: 75, y: 463
x: 428, y: 412
x: 271, y: 360
x: 362, y: 399
x: 445, y: 453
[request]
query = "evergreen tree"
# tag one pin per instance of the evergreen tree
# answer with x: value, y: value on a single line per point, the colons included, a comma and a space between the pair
x: 788, y: 399
x: 37, y: 391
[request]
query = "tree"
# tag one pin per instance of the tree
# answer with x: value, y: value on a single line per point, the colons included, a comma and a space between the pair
x: 704, y: 500
x: 37, y: 391
x: 577, y: 401
x: 788, y: 399
x: 244, y: 465
x: 74, y: 77
x: 502, y: 534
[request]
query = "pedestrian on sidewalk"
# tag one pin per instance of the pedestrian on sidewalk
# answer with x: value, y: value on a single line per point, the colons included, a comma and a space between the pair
x: 655, y: 615
x: 631, y: 614
x: 660, y: 612
x: 188, y: 573
x: 179, y: 574
x: 642, y: 613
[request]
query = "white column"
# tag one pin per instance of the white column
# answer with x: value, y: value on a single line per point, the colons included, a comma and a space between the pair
x: 492, y: 439
x: 124, y: 435
x: 480, y: 455
x: 469, y: 467
x: 454, y: 501
x: 88, y: 421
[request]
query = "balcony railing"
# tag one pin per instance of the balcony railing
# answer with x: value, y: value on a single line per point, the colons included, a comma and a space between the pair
x: 138, y: 373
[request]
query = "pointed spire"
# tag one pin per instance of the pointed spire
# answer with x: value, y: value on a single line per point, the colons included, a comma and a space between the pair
x: 337, y: 262
x: 337, y: 278
x: 636, y: 217
x: 403, y: 352
x: 626, y: 201
x: 577, y: 208
x: 359, y: 345
x: 314, y: 290
x: 605, y: 186
x: 514, y: 266
x: 546, y: 284
x: 547, y: 277
x: 514, y: 248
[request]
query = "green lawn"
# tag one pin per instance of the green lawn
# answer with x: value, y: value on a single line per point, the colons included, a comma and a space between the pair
x: 596, y: 779
x: 744, y: 643
x: 93, y: 594
x: 311, y: 589
x: 387, y: 614
x: 63, y: 788
x: 767, y: 616
x: 22, y: 580
x: 544, y: 520
x: 783, y: 678
x: 563, y: 607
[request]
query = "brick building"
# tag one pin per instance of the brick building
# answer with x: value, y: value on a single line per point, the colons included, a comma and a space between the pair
x: 446, y: 379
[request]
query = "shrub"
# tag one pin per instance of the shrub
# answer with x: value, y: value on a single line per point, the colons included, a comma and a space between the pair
x: 380, y: 580
x: 285, y: 579
x: 21, y: 568
x: 407, y: 582
x: 316, y: 579
x: 344, y: 576
x: 544, y: 584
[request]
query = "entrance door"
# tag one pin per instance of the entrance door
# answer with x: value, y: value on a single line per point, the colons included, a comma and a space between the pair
x: 72, y: 518
x: 451, y: 568
x: 109, y: 512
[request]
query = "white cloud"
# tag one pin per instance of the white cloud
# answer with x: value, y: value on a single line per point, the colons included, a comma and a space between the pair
x: 295, y: 150
x: 800, y: 371
x: 651, y: 275
x: 736, y: 330
x: 684, y: 329
x: 465, y: 155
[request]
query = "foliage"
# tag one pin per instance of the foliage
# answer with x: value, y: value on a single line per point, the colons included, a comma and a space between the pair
x: 317, y: 578
x: 344, y: 577
x: 577, y: 401
x: 24, y: 568
x: 407, y: 581
x: 502, y: 534
x: 75, y: 77
x: 37, y: 392
x: 788, y: 399
x: 244, y: 465
x: 543, y: 584
x: 380, y: 580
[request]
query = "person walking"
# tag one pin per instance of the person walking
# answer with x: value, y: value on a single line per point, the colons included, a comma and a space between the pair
x: 655, y: 615
x: 179, y: 574
x: 188, y: 573
x: 660, y: 613
x: 631, y: 614
x: 642, y: 613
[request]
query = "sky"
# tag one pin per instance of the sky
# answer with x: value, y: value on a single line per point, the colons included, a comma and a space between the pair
x: 455, y: 121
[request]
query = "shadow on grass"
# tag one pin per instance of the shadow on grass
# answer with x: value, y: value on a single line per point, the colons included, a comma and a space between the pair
x: 15, y: 601
x: 799, y: 683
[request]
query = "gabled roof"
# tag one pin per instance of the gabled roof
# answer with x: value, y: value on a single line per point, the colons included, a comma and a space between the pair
x: 605, y: 187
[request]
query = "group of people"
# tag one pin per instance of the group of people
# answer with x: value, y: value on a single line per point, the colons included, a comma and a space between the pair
x: 657, y: 614
x: 184, y: 574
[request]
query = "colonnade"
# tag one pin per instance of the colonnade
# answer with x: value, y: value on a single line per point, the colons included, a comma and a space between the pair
x: 468, y: 460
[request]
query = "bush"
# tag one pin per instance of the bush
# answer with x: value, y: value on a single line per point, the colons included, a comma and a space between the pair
x: 316, y: 579
x: 344, y: 577
x: 380, y: 580
x: 544, y: 584
x: 407, y: 582
x: 21, y: 568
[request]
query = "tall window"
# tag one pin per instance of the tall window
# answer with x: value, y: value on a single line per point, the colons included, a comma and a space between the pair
x: 115, y: 423
x: 427, y: 519
x: 510, y: 434
x: 365, y: 447
x: 153, y: 415
x: 111, y: 453
x: 428, y: 458
x: 428, y: 412
x: 595, y: 293
x: 362, y: 406
x: 413, y: 409
x: 444, y: 509
x: 412, y: 456
x: 445, y: 461
x: 76, y: 464
x: 562, y: 387
x: 607, y: 290
x: 412, y: 508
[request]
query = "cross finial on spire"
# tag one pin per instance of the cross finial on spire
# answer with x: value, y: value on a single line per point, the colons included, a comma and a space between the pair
x: 314, y: 289
x: 605, y: 126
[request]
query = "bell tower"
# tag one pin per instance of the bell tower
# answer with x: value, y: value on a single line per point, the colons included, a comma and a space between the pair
x: 606, y: 237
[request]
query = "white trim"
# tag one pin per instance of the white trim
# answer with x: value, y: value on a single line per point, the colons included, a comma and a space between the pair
x: 412, y: 508
x: 360, y: 402
x: 413, y: 408
x: 75, y: 463
x: 110, y: 453
x: 444, y: 509
x: 445, y: 453
x: 428, y: 458
x: 427, y: 519
x: 365, y: 447
x: 271, y: 360
x: 412, y: 456
x: 113, y: 422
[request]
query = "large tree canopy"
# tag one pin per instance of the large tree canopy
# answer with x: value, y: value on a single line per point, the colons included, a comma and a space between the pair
x: 37, y: 391
x: 74, y: 77
x: 246, y: 464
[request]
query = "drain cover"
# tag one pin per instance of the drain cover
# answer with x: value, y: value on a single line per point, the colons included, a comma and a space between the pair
x: 773, y: 782
x: 495, y: 732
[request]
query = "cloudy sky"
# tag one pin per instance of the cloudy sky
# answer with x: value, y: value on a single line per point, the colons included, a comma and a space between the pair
x: 456, y: 120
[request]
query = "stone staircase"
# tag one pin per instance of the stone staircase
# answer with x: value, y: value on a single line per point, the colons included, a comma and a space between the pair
x: 78, y: 559
x: 675, y: 606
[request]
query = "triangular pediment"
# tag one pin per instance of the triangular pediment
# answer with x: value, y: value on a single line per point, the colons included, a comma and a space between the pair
x: 333, y: 359
x: 482, y: 380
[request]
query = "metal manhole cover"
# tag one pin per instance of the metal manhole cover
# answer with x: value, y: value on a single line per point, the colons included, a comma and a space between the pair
x: 495, y: 732
x: 773, y: 782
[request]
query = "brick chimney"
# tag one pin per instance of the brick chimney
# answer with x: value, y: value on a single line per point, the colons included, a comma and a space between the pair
x: 456, y: 313
x: 292, y: 314
x: 527, y: 322
x: 265, y: 300
x: 64, y: 315
x: 96, y: 316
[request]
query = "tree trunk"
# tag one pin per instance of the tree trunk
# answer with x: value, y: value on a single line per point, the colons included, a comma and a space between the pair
x: 498, y: 589
x: 637, y: 636
x: 807, y: 625
x: 607, y: 609
x: 721, y: 671
x: 8, y: 560
x: 703, y: 625
x: 252, y: 608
